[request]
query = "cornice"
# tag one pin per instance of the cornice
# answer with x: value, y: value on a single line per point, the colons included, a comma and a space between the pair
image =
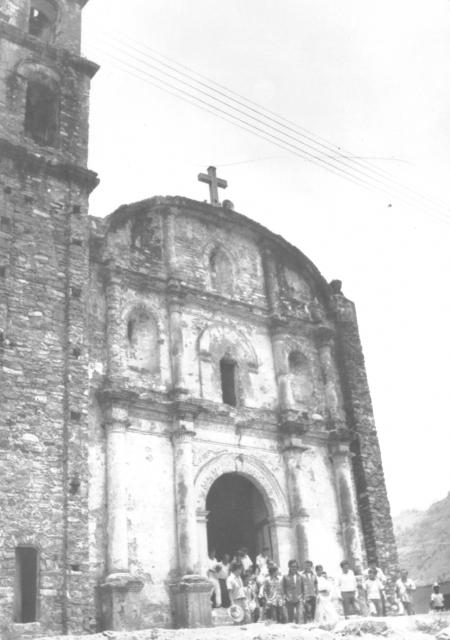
x: 39, y: 164
x: 47, y: 52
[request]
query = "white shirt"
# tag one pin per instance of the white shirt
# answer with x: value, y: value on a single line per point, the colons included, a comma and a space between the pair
x: 374, y: 589
x: 246, y: 562
x: 235, y: 587
x: 404, y: 589
x: 347, y: 581
x: 379, y: 574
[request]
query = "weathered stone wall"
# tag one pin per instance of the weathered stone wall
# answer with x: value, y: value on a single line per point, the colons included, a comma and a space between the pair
x: 43, y: 347
x: 373, y: 501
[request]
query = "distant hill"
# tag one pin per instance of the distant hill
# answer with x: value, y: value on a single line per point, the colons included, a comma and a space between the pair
x: 423, y: 541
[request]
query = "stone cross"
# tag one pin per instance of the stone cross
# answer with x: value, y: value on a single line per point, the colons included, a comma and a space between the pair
x: 214, y: 183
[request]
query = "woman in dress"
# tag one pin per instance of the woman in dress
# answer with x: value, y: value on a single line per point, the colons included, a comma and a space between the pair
x: 326, y: 614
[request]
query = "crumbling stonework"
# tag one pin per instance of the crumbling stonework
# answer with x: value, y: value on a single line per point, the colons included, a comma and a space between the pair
x: 147, y: 356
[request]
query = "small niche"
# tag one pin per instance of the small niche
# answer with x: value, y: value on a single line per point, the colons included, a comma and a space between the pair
x: 28, y: 199
x: 2, y: 271
x: 76, y: 209
x: 75, y: 416
x: 75, y: 567
x: 77, y: 242
x: 75, y: 485
x: 42, y: 20
x: 76, y: 292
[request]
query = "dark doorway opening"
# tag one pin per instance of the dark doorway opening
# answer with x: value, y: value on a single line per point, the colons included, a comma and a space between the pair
x: 228, y: 380
x: 238, y: 516
x: 26, y: 584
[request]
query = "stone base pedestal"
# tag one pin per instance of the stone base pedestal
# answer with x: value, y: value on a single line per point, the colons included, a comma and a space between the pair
x: 120, y: 602
x: 191, y: 602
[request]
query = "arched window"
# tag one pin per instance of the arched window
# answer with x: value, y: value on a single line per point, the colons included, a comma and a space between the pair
x: 26, y: 588
x: 143, y: 341
x: 301, y: 381
x: 228, y: 379
x: 43, y: 15
x: 220, y: 271
x: 42, y: 113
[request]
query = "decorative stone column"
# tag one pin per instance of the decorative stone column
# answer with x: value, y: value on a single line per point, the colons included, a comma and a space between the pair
x: 120, y: 599
x: 341, y: 456
x: 333, y: 394
x: 191, y: 592
x: 292, y: 454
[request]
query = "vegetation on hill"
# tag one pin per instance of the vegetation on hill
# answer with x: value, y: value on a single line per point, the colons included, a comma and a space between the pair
x: 423, y: 541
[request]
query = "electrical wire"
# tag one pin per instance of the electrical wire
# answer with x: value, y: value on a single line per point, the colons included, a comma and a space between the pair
x: 278, y: 120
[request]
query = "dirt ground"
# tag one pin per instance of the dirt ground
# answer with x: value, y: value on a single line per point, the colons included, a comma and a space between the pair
x: 420, y: 627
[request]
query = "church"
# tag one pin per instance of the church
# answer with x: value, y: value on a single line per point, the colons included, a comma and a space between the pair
x: 174, y: 378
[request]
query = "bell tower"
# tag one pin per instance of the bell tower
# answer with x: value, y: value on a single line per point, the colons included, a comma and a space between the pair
x: 45, y: 583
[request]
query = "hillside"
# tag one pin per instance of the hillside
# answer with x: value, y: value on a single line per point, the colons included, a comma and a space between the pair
x: 423, y: 540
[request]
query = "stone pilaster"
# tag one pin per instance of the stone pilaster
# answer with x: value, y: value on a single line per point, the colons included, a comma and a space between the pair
x: 348, y: 513
x: 280, y: 359
x: 114, y: 328
x: 372, y: 496
x: 293, y: 451
x: 185, y: 501
x: 191, y: 592
x: 332, y: 384
x: 116, y: 455
x: 176, y: 341
x: 271, y: 281
x: 120, y: 591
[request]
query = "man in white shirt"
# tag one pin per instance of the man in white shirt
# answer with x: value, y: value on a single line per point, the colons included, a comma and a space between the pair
x: 244, y: 559
x: 347, y: 586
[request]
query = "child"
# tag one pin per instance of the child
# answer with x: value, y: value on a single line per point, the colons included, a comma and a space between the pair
x: 404, y: 588
x: 374, y: 591
x: 273, y: 594
x: 437, y: 599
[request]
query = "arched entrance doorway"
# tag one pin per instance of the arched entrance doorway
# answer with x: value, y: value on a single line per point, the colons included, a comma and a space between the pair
x: 237, y: 516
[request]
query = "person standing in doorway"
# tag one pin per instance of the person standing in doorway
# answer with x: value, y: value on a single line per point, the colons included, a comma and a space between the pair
x: 245, y: 559
x: 213, y: 570
x: 292, y: 591
x: 309, y: 591
x: 222, y: 576
x: 262, y: 560
x: 347, y: 586
x: 404, y: 588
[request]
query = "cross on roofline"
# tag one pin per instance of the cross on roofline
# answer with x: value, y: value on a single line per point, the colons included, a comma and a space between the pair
x: 214, y: 184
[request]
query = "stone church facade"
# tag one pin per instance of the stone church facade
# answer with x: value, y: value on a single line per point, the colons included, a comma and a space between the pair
x: 173, y: 378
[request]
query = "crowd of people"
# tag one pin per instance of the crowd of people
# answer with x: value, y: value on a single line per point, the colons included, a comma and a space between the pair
x: 256, y: 591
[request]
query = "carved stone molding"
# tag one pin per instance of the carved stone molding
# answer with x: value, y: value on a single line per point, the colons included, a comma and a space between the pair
x: 250, y: 467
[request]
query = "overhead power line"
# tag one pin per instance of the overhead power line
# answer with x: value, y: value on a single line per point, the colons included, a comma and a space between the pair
x: 278, y: 135
x: 210, y: 84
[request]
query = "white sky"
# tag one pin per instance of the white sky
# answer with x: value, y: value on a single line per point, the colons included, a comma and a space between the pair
x: 372, y: 77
